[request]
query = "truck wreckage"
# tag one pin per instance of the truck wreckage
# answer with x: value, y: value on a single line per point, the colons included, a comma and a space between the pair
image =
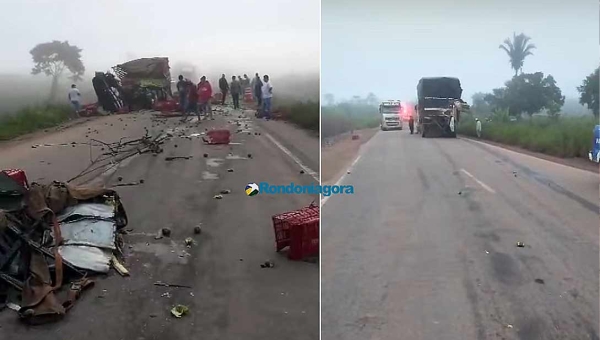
x: 439, y: 106
x: 53, y: 236
x: 138, y: 84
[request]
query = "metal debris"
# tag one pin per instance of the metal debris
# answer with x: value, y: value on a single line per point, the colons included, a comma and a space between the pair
x: 163, y: 284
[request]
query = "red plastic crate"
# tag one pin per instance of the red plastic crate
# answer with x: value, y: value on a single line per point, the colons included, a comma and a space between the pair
x: 299, y: 230
x: 19, y: 176
x: 221, y: 136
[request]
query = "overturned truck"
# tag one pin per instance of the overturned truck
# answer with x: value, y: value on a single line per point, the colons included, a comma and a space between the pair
x: 144, y: 81
x: 439, y: 106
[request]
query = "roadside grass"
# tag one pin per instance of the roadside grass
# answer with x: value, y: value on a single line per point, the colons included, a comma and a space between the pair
x: 344, y: 117
x: 304, y: 114
x: 30, y: 119
x: 566, y: 137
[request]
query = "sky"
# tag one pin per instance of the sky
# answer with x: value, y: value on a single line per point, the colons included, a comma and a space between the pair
x: 385, y: 47
x: 244, y: 36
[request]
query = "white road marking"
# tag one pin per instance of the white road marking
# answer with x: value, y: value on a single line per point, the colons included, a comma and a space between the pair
x: 306, y: 169
x: 341, y: 179
x: 483, y: 185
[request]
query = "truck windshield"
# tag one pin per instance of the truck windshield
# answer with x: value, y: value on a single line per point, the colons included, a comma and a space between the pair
x: 390, y: 109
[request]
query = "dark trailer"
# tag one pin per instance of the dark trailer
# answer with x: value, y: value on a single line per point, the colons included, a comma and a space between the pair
x: 439, y: 106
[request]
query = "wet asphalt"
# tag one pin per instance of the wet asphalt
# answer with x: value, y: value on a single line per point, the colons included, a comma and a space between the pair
x: 426, y: 247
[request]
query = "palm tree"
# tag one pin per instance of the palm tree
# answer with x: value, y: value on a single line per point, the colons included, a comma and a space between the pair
x: 517, y: 50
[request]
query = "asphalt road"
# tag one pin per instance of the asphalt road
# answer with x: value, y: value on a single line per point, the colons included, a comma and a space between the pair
x: 426, y: 248
x: 232, y: 296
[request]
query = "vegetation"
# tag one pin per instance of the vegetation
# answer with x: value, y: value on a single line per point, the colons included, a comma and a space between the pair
x: 305, y: 114
x: 53, y: 58
x: 527, y: 93
x: 517, y: 49
x: 567, y: 137
x: 590, y: 92
x: 350, y: 115
x: 31, y: 119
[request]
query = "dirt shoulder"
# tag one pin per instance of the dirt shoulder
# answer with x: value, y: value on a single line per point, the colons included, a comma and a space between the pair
x: 336, y: 158
x: 578, y: 163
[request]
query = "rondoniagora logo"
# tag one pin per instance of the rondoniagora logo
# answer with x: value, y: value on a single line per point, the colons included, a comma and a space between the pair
x: 292, y: 188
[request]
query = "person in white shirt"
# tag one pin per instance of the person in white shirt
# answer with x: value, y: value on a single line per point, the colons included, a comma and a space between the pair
x: 267, y: 95
x: 75, y: 98
x: 478, y: 127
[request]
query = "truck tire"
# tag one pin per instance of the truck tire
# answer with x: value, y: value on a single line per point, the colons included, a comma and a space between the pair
x: 383, y: 129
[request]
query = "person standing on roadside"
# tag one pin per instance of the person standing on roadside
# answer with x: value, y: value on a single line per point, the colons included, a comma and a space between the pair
x: 257, y: 90
x: 478, y: 127
x: 236, y: 89
x: 75, y: 99
x: 204, y: 96
x: 182, y: 90
x: 192, y: 101
x: 245, y: 84
x: 267, y: 95
x: 224, y: 86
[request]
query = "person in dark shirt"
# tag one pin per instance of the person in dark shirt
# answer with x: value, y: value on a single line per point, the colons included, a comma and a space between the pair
x: 224, y: 86
x: 257, y: 90
x: 182, y: 89
x: 236, y: 89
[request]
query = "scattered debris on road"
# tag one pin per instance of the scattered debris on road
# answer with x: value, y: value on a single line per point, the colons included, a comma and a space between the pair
x: 540, y: 281
x: 268, y: 264
x: 189, y: 242
x: 177, y: 157
x: 63, y: 234
x: 166, y: 232
x: 162, y: 284
x: 218, y: 197
x: 520, y: 244
x: 229, y: 170
x: 197, y: 230
x: 225, y: 191
x: 179, y: 311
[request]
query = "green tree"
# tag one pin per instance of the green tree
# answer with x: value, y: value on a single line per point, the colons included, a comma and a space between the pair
x: 371, y: 99
x: 479, y: 104
x: 517, y: 49
x: 529, y: 93
x: 589, y: 91
x: 53, y: 58
x: 329, y: 99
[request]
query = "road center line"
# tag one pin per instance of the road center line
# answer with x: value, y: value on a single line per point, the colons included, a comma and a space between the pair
x: 285, y: 150
x: 483, y: 185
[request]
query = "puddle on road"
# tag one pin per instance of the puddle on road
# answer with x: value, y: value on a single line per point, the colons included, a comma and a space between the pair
x: 214, y: 162
x: 209, y: 175
x: 172, y: 252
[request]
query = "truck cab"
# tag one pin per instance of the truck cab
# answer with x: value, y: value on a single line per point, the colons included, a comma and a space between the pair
x: 391, y: 115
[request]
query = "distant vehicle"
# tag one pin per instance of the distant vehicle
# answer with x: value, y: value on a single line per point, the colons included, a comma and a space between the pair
x: 594, y: 154
x: 512, y: 119
x: 439, y: 106
x: 391, y: 111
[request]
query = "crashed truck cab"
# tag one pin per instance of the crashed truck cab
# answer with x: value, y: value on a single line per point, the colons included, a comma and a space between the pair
x: 439, y: 106
x: 594, y: 154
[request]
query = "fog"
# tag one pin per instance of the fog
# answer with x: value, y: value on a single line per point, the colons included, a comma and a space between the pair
x: 385, y: 47
x: 275, y: 37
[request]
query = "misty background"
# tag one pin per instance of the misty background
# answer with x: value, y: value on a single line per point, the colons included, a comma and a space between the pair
x: 385, y: 47
x: 275, y: 37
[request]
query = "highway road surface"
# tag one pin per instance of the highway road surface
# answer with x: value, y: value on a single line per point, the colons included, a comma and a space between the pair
x: 231, y: 297
x: 426, y: 248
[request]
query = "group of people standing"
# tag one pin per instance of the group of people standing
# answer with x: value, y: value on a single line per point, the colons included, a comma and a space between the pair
x: 196, y: 98
x: 262, y: 91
